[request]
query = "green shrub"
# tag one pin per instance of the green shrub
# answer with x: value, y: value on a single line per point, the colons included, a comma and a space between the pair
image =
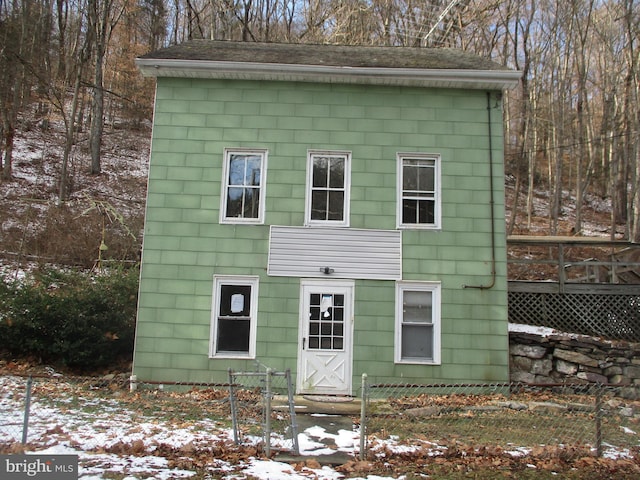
x: 79, y: 320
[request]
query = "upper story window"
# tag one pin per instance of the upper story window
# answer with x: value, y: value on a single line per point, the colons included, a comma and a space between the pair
x: 418, y: 190
x: 328, y: 184
x: 243, y: 186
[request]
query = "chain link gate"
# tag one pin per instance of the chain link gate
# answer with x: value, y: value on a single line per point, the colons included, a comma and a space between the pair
x: 251, y: 395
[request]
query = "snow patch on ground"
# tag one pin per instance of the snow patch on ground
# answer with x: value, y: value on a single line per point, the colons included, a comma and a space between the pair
x: 91, y: 428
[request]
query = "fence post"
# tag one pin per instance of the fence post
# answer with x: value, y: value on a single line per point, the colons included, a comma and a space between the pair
x: 234, y: 413
x: 267, y: 413
x: 561, y: 272
x: 599, y: 420
x: 292, y: 414
x: 27, y: 408
x: 363, y: 419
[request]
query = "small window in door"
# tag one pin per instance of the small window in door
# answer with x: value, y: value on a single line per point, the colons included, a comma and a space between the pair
x: 326, y: 321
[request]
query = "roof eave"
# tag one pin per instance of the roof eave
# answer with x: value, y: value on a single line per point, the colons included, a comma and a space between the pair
x: 447, y: 78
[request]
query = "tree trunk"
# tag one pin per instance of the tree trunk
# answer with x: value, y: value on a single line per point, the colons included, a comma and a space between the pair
x: 100, y: 13
x: 97, y: 121
x: 63, y: 186
x: 8, y: 131
x: 62, y: 9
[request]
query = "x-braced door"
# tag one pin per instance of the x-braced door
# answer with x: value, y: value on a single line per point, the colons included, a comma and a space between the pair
x: 326, y: 328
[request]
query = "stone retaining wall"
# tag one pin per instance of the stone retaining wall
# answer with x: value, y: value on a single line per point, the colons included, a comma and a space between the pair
x: 559, y: 358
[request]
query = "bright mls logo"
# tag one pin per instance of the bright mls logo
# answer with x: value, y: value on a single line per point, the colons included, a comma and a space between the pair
x: 51, y: 467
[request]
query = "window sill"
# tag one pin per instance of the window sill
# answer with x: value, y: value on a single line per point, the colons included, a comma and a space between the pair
x: 437, y: 228
x: 326, y: 224
x: 233, y: 221
x: 231, y: 356
x: 417, y: 361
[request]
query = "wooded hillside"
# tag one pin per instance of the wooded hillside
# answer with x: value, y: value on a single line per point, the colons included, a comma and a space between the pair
x: 572, y: 127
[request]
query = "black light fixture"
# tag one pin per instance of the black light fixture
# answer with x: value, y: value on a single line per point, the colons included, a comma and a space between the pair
x: 326, y: 270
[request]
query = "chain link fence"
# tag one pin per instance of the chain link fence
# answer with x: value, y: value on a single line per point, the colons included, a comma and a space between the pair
x: 257, y: 410
x: 257, y: 407
x: 18, y: 394
x: 259, y: 403
x: 510, y: 415
x: 14, y: 424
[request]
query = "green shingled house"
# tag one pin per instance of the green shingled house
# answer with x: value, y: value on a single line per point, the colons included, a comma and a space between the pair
x: 327, y: 209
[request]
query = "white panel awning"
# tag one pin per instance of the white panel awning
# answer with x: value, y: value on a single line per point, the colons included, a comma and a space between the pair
x: 341, y: 252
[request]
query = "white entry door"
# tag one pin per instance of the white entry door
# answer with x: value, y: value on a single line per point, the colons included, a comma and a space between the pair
x: 326, y: 331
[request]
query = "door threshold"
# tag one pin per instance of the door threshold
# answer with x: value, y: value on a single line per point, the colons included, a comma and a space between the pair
x: 328, y: 398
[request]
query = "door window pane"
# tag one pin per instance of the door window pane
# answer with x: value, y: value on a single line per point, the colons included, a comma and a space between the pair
x: 326, y: 317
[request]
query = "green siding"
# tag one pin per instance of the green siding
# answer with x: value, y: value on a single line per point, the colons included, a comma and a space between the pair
x: 184, y: 244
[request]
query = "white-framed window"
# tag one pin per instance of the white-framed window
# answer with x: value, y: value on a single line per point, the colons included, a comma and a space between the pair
x: 234, y: 317
x: 243, y: 186
x: 328, y: 185
x: 419, y: 190
x: 417, y: 322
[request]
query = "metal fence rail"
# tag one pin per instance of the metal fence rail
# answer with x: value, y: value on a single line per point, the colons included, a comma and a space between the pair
x: 509, y: 415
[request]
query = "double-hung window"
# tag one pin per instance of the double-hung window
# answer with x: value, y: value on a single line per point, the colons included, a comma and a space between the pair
x: 417, y: 322
x: 234, y: 316
x: 418, y: 191
x: 243, y: 186
x: 328, y: 184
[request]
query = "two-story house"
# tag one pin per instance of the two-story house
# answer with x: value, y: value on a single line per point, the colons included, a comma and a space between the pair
x: 335, y: 210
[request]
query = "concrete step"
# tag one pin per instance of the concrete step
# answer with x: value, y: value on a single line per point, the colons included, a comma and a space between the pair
x: 326, y: 404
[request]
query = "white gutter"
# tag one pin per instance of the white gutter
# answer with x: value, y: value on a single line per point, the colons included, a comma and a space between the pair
x: 483, y: 79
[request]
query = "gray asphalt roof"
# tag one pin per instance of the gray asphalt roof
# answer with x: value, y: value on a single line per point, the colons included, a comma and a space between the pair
x: 325, y: 55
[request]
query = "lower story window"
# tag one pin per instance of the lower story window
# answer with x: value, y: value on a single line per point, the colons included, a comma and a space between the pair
x: 417, y: 322
x: 234, y: 316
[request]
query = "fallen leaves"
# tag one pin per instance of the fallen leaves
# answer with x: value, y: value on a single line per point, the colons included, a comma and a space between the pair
x: 422, y: 450
x: 458, y: 456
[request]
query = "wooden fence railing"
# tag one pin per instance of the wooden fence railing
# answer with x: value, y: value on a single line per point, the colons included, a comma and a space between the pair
x: 579, y: 285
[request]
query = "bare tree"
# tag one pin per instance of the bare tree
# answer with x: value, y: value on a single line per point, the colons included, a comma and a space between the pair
x: 631, y: 127
x: 584, y: 159
x: 154, y: 19
x: 24, y: 35
x: 571, y: 128
x: 83, y: 55
x: 103, y: 16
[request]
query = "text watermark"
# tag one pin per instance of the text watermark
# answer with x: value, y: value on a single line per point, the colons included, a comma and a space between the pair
x: 50, y: 467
